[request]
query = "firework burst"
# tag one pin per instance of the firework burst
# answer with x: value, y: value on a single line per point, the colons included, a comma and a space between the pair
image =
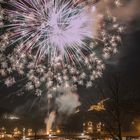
x: 55, y: 29
x: 59, y: 35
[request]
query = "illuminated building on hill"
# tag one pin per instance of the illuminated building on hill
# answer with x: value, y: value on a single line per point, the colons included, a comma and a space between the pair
x: 90, y: 127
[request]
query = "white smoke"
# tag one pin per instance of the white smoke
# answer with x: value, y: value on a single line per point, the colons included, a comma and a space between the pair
x: 66, y: 102
x: 49, y: 122
x: 124, y: 11
x: 129, y: 11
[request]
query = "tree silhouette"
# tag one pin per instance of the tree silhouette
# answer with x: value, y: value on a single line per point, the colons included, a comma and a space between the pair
x: 119, y: 106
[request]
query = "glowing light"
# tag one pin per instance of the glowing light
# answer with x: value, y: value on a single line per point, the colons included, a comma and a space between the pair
x: 93, y: 9
x: 58, y: 131
x: 11, y: 117
x: 99, y: 107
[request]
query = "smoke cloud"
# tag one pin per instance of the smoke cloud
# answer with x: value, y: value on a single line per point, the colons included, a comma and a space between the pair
x: 68, y: 103
x: 49, y: 121
x: 126, y: 10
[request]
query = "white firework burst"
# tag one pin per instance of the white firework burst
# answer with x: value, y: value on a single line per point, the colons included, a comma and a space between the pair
x: 60, y: 33
x: 56, y: 28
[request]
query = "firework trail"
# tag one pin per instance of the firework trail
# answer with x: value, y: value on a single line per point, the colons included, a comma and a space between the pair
x: 49, y: 122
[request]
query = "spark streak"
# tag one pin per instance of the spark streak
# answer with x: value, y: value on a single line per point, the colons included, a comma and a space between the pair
x: 53, y: 28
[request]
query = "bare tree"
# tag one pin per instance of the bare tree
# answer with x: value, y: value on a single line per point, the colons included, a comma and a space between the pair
x: 119, y: 106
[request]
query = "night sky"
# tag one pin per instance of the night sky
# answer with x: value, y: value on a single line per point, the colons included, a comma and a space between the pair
x: 126, y: 65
